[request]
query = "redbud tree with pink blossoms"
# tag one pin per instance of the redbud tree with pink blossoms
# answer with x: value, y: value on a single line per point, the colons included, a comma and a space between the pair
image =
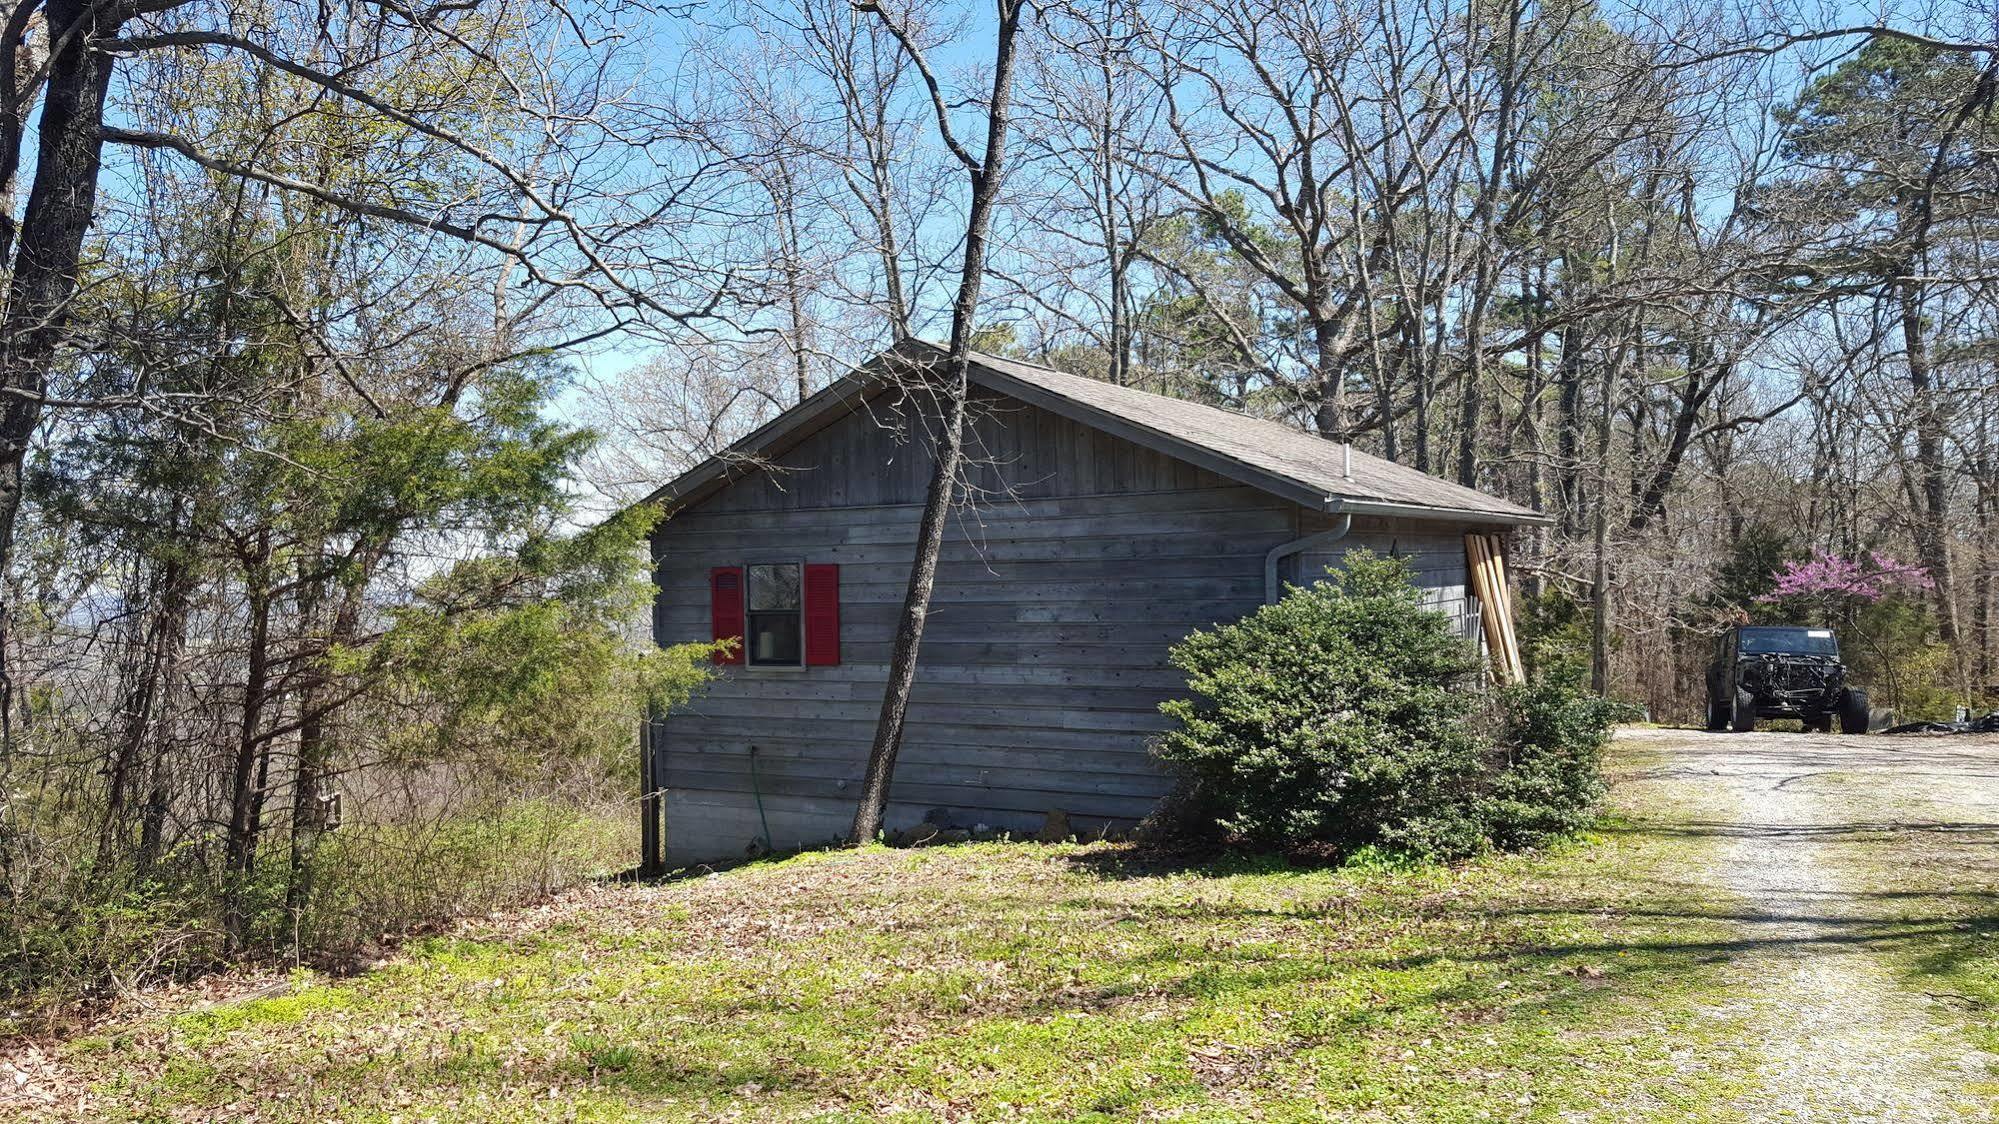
x: 1884, y: 632
x: 1832, y: 579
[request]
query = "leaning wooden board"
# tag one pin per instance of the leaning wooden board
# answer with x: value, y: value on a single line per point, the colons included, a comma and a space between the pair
x: 1487, y: 566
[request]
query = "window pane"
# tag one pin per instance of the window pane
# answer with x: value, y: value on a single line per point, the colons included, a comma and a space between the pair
x: 1806, y: 641
x: 774, y: 638
x: 774, y: 587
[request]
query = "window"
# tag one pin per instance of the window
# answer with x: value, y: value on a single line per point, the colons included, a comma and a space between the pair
x: 776, y: 617
x: 1789, y: 641
x: 778, y: 614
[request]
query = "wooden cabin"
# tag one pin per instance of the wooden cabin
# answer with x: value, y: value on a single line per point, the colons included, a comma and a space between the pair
x: 1102, y: 524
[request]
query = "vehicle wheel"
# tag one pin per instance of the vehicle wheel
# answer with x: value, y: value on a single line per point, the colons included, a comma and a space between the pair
x: 1818, y: 723
x: 1717, y: 715
x: 1744, y: 719
x: 1853, y: 712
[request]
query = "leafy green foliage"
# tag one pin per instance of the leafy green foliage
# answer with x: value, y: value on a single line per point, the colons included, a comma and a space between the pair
x: 1550, y: 780
x: 1891, y: 648
x: 1748, y: 575
x: 351, y: 580
x: 1881, y: 116
x: 1554, y: 632
x: 532, y: 649
x: 1342, y: 716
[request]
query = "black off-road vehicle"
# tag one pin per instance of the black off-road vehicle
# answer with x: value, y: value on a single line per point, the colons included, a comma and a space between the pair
x: 1769, y: 672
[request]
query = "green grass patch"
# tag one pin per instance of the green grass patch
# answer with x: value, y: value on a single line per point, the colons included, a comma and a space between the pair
x: 1012, y: 982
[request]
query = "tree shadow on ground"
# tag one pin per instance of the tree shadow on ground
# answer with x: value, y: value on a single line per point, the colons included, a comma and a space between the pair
x: 1749, y: 829
x: 1957, y: 927
x: 1140, y: 861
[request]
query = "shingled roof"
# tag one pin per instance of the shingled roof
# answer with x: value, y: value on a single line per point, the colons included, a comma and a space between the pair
x: 1264, y: 454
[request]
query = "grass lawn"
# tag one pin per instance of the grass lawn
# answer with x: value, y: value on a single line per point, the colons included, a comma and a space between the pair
x: 999, y: 982
x: 1926, y: 862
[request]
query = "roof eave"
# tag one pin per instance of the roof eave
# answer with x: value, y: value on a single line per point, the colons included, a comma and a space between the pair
x: 1353, y: 505
x: 1223, y: 465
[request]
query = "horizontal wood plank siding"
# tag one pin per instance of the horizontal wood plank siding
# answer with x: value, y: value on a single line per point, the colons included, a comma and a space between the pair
x: 1079, y: 561
x: 1434, y: 553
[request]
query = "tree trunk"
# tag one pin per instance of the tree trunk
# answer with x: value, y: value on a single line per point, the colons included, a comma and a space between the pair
x: 953, y: 390
x: 1486, y: 274
x: 1981, y: 595
x: 1120, y: 359
x: 784, y: 205
x: 17, y: 90
x: 240, y: 848
x: 1933, y: 481
x: 1331, y: 415
x: 130, y: 763
x: 1419, y: 411
x: 1981, y: 585
x: 177, y: 596
x: 1650, y: 499
x: 1599, y: 640
x: 1384, y: 404
x: 49, y: 247
x: 1600, y: 604
x: 1116, y: 256
x: 986, y: 177
x: 881, y: 180
x: 1534, y: 289
x: 315, y: 753
x: 1471, y: 401
x: 1568, y: 431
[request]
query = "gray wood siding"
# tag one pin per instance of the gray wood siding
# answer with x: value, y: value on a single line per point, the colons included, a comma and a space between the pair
x: 1078, y: 563
x: 1434, y: 553
x: 1018, y: 452
x: 1081, y: 560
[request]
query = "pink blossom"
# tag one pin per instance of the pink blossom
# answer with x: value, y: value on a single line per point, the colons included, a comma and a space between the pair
x: 1830, y: 575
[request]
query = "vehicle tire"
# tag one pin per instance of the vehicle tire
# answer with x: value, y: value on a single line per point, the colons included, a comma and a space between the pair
x: 1818, y: 723
x: 1717, y: 715
x: 1744, y: 719
x: 1853, y: 712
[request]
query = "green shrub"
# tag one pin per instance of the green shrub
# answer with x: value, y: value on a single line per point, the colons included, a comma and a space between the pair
x: 407, y: 868
x: 1347, y: 715
x: 1549, y: 774
x: 1338, y: 715
x: 70, y: 939
x: 80, y: 932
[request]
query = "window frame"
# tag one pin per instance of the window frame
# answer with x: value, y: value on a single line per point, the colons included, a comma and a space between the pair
x: 749, y: 656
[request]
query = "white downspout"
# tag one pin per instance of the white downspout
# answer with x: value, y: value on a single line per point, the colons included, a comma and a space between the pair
x: 1295, y: 546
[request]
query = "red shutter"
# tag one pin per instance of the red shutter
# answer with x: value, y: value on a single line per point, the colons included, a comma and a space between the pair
x: 725, y: 609
x: 822, y: 614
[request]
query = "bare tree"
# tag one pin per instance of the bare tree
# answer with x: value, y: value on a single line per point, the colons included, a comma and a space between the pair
x: 1263, y: 143
x: 1095, y: 213
x: 864, y: 78
x: 946, y: 380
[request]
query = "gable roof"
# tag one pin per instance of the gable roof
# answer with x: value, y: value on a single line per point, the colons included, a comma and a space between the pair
x: 1268, y: 455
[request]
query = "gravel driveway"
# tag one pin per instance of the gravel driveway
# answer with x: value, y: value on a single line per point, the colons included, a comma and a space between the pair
x: 1847, y: 863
